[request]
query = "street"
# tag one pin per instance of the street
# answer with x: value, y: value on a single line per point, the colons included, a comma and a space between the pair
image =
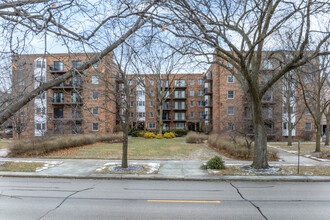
x: 43, y: 198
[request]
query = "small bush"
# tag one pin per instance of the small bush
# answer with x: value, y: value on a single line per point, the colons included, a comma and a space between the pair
x: 135, y: 133
x: 169, y: 135
x: 180, y: 132
x: 159, y: 136
x: 149, y: 135
x: 193, y: 137
x: 215, y: 163
x: 141, y: 134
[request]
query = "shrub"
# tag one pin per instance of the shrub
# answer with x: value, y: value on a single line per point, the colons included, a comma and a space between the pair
x: 169, y: 135
x: 215, y: 163
x: 135, y: 133
x: 37, y: 146
x: 149, y: 135
x: 193, y: 137
x: 141, y: 134
x: 159, y: 136
x: 180, y: 132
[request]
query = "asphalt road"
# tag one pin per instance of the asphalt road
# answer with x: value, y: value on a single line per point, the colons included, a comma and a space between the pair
x: 35, y: 198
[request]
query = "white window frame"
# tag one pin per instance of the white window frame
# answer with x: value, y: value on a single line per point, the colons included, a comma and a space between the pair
x: 228, y: 77
x: 228, y: 94
x: 94, y: 123
x: 95, y: 80
x: 231, y: 110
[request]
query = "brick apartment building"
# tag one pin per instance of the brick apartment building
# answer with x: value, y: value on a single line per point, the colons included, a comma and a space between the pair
x: 212, y: 102
x: 78, y: 105
x: 226, y: 106
x: 183, y: 107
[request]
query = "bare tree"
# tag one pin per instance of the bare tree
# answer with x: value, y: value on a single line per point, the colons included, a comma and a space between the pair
x: 239, y: 32
x: 59, y: 20
x: 313, y: 85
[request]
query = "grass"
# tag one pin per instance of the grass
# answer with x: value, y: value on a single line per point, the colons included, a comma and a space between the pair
x: 306, y: 148
x: 286, y: 171
x: 139, y: 148
x: 4, y: 144
x: 21, y: 166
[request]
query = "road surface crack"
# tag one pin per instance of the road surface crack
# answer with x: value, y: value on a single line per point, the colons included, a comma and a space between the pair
x: 59, y: 205
x: 258, y: 208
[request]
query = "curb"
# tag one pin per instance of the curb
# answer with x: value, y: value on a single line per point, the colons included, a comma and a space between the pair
x: 169, y: 178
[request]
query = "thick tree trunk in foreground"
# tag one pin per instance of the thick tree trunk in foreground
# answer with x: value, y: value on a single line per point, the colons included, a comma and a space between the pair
x: 160, y: 129
x: 124, y: 163
x: 260, y: 143
x: 289, y: 132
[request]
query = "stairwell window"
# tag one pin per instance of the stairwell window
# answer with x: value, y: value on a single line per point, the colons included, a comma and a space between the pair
x: 95, y: 80
x: 308, y: 126
x: 230, y: 94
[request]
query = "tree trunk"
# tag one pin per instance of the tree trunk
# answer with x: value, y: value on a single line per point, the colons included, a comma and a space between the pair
x: 124, y: 162
x: 160, y: 129
x: 260, y: 144
x: 318, y: 138
x: 289, y: 132
x: 327, y: 130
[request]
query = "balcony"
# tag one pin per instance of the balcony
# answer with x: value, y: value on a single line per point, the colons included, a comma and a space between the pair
x: 54, y: 69
x: 67, y: 86
x: 66, y: 102
x: 180, y: 119
x: 181, y: 86
x: 67, y: 119
x: 208, y: 91
x: 180, y: 97
x: 167, y: 119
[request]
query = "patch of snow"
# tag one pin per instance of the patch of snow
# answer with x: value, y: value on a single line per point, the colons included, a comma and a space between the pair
x: 316, y: 158
x: 48, y: 164
x: 266, y: 171
x: 151, y: 167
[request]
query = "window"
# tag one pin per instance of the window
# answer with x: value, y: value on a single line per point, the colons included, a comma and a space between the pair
x: 151, y: 114
x: 308, y: 126
x: 200, y: 114
x: 231, y: 126
x: 95, y: 95
x: 21, y: 112
x: 76, y: 64
x: 200, y: 82
x: 76, y: 81
x: 58, y: 65
x: 152, y: 93
x: 179, y: 83
x: 307, y: 111
x: 76, y: 97
x: 40, y: 64
x: 230, y: 94
x: 152, y: 125
x: 180, y: 94
x: 191, y: 114
x: 58, y: 112
x: 95, y: 111
x: 192, y: 92
x: 140, y: 103
x: 231, y: 110
x: 268, y: 64
x: 192, y: 82
x: 268, y: 96
x: 95, y: 80
x: 179, y: 105
x: 200, y: 103
x: 130, y: 82
x: 95, y: 126
x: 131, y: 104
x: 180, y: 125
x: 230, y: 79
x: 200, y: 92
x: 267, y: 112
x: 179, y: 116
x: 140, y: 92
x: 58, y: 97
x: 191, y: 103
x: 96, y: 65
x: 151, y: 104
x: 247, y: 112
x: 41, y: 126
x: 285, y: 125
x: 76, y: 112
x: 229, y: 65
x: 41, y: 110
x: 131, y: 114
x: 166, y: 105
x: 151, y: 82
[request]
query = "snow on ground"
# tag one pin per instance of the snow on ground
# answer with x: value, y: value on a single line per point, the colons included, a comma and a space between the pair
x: 151, y: 167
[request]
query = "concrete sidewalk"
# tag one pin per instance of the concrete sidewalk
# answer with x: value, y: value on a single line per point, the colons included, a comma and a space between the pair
x: 168, y: 170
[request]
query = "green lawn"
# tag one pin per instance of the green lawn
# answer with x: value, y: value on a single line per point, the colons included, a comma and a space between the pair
x: 140, y: 148
x: 305, y: 148
x: 20, y: 166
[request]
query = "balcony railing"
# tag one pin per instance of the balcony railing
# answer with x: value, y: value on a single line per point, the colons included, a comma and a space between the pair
x: 207, y: 91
